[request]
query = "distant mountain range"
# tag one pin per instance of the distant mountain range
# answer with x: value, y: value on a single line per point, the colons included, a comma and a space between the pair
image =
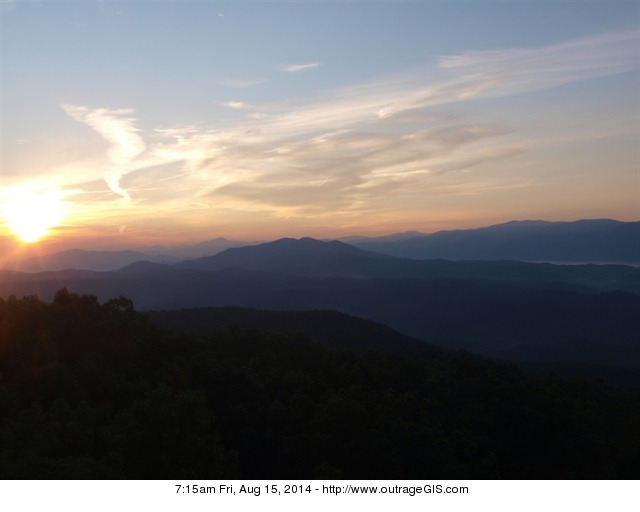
x: 534, y: 313
x: 583, y: 241
x: 84, y: 260
x: 313, y: 258
x: 583, y: 318
x: 112, y: 260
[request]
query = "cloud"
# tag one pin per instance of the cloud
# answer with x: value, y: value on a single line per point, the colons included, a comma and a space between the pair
x: 239, y: 105
x: 294, y: 68
x: 359, y: 148
x: 117, y: 128
x: 514, y: 71
x: 356, y: 145
x: 345, y: 170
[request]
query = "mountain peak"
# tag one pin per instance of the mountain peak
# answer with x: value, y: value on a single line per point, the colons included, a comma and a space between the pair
x: 303, y: 256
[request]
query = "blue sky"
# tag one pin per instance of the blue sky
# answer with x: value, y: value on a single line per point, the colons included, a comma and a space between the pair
x: 252, y: 120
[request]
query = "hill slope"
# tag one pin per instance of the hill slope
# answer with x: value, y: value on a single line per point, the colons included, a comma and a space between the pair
x: 97, y: 391
x: 331, y: 328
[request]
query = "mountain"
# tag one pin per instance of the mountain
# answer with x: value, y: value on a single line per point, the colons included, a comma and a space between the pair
x: 199, y: 250
x: 331, y: 328
x: 587, y: 241
x: 524, y: 320
x: 101, y: 261
x: 314, y: 258
x: 600, y: 240
x: 538, y: 313
x: 85, y: 260
x: 305, y: 256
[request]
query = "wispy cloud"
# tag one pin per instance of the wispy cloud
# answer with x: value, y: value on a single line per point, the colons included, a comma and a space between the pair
x: 347, y: 152
x: 238, y: 105
x: 513, y: 71
x: 117, y: 128
x: 294, y: 68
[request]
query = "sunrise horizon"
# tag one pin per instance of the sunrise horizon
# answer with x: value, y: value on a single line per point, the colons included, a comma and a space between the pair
x: 399, y: 117
x: 14, y: 251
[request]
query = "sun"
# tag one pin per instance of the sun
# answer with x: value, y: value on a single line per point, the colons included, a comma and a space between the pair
x: 30, y: 214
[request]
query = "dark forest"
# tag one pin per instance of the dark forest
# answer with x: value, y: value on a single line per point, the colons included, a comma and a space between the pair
x: 97, y: 390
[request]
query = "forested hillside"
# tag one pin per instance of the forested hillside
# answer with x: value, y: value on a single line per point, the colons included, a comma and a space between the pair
x: 91, y: 390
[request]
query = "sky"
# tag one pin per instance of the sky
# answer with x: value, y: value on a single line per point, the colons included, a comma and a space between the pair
x: 137, y: 123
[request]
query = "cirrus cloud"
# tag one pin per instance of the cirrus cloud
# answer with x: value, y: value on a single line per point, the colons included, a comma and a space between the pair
x: 348, y: 151
x: 117, y: 128
x: 295, y: 68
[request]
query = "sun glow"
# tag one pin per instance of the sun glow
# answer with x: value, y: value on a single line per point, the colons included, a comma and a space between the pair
x: 30, y: 214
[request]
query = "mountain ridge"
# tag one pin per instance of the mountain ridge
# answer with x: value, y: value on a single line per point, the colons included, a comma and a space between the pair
x: 585, y: 240
x: 486, y: 307
x: 589, y: 241
x: 304, y: 256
